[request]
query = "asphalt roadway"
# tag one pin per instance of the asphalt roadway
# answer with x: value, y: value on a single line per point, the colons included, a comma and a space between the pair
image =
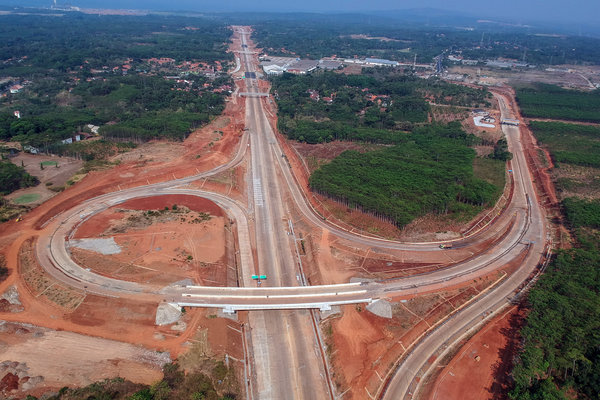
x: 287, y: 358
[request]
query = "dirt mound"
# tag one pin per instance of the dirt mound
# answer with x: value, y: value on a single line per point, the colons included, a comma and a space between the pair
x: 9, y: 383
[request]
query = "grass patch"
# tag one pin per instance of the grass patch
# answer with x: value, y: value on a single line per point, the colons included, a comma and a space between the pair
x: 47, y: 163
x: 27, y: 198
x: 97, y: 165
x: 490, y: 170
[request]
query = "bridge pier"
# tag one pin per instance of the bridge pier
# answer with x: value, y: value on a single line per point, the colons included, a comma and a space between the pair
x: 229, y: 310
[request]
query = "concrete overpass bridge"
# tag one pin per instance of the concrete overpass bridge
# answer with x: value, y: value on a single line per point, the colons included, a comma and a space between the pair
x: 254, y: 94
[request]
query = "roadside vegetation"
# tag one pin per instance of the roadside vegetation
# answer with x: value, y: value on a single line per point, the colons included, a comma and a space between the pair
x: 561, y: 352
x: 553, y: 102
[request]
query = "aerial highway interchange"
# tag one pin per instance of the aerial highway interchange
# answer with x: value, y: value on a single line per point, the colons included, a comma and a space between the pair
x: 287, y: 353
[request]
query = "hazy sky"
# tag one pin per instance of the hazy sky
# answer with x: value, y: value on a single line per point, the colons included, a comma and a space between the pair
x: 565, y: 10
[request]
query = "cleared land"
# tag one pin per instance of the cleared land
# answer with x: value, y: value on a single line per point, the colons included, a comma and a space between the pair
x: 160, y: 241
x: 32, y: 352
x: 363, y: 346
x: 481, y: 368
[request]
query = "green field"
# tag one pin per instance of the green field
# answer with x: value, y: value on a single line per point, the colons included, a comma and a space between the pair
x: 490, y: 170
x: 47, y: 163
x: 27, y: 198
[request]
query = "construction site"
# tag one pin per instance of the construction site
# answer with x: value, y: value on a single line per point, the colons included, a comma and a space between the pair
x: 145, y: 263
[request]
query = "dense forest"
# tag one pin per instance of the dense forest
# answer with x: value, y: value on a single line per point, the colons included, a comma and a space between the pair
x: 372, y: 107
x: 350, y: 35
x: 561, y: 350
x: 139, y: 108
x: 32, y: 44
x: 13, y: 177
x: 582, y: 213
x: 560, y: 358
x: 554, y: 102
x: 570, y: 143
x: 429, y: 171
x: 137, y: 78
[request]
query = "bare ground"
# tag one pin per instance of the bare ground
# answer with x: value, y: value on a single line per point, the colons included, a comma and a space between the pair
x: 83, y: 359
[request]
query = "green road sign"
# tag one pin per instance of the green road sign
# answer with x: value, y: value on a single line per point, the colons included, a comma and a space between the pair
x: 259, y: 277
x: 255, y: 277
x: 263, y: 277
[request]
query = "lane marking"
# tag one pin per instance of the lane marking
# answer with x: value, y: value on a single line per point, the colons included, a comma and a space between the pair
x: 258, y: 192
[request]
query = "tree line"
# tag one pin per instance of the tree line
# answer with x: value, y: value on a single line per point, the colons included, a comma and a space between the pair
x: 219, y: 383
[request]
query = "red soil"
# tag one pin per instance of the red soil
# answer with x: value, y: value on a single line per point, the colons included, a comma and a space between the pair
x: 169, y: 249
x: 365, y: 346
x: 159, y: 202
x: 481, y: 368
x: 9, y: 383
